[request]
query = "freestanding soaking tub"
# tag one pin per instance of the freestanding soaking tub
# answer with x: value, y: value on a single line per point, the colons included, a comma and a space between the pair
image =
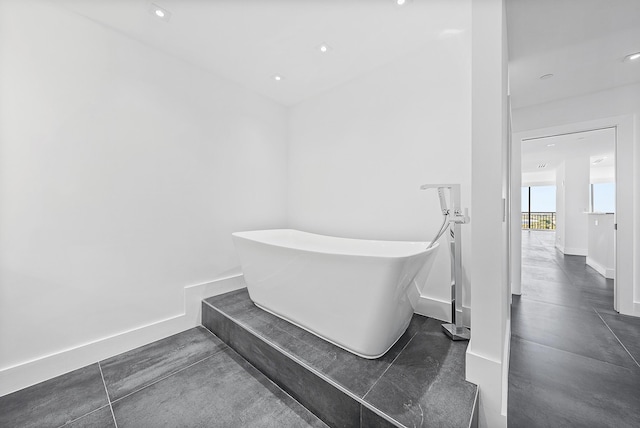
x: 357, y: 294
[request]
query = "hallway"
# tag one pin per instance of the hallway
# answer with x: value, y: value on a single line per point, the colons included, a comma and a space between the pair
x: 574, y: 360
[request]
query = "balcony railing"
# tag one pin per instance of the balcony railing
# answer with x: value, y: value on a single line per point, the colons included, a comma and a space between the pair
x: 539, y: 221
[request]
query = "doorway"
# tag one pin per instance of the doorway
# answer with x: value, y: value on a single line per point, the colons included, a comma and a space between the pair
x: 622, y: 126
x: 568, y: 190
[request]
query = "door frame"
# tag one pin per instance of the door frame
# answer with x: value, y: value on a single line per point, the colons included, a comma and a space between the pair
x: 624, y: 217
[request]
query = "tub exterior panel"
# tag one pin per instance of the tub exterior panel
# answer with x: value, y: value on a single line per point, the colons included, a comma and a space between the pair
x: 359, y: 302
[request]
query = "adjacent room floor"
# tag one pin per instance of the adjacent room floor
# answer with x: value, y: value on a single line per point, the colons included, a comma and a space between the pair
x: 574, y: 360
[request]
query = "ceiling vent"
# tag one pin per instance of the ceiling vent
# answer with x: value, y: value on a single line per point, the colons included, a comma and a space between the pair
x: 542, y: 165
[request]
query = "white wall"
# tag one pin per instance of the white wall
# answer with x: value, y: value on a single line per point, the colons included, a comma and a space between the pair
x: 572, y: 202
x: 123, y: 172
x: 619, y: 107
x: 487, y: 358
x: 531, y: 179
x: 602, y: 174
x: 518, y: 181
x: 560, y: 207
x: 601, y: 243
x: 359, y: 153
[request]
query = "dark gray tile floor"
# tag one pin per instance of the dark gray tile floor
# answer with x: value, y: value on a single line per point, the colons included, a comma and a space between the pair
x: 191, y: 379
x: 419, y: 382
x: 55, y: 402
x: 574, y: 360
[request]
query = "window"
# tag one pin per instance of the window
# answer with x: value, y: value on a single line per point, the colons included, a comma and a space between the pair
x: 603, y: 197
x: 543, y: 199
x: 539, y: 207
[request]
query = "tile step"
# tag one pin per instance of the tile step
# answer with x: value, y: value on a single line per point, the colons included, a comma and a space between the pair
x: 419, y: 382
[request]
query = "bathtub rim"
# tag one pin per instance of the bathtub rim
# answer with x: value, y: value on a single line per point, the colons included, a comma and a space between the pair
x: 424, y: 244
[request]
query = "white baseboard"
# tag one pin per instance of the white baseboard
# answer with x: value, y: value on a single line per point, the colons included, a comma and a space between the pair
x: 49, y: 366
x: 488, y: 375
x: 574, y: 251
x: 434, y: 308
x: 441, y: 310
x: 606, y: 272
x: 466, y: 316
x: 636, y: 309
x: 506, y: 355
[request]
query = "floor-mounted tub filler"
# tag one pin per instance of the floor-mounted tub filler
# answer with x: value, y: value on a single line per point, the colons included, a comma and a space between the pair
x: 357, y: 294
x: 453, y: 219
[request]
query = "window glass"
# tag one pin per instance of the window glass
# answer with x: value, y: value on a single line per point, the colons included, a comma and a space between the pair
x: 543, y: 207
x: 604, y: 197
x: 543, y: 199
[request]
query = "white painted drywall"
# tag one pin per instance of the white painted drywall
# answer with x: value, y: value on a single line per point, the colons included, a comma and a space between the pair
x: 123, y: 172
x: 560, y: 207
x: 518, y: 181
x: 531, y: 179
x: 619, y: 107
x: 487, y: 358
x: 359, y: 153
x: 602, y: 175
x: 601, y: 243
x: 572, y: 202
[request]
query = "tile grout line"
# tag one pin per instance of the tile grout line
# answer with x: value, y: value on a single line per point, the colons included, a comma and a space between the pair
x: 389, y: 366
x: 168, y: 376
x: 284, y: 352
x: 373, y: 408
x: 139, y: 389
x: 80, y: 417
x: 573, y: 285
x: 272, y: 381
x: 104, y: 383
x: 569, y: 352
x: 614, y: 335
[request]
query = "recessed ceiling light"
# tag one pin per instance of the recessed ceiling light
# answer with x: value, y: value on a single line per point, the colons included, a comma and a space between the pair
x: 550, y: 144
x: 546, y: 76
x: 632, y: 57
x: 324, y: 48
x: 401, y: 2
x: 159, y: 12
x: 277, y: 78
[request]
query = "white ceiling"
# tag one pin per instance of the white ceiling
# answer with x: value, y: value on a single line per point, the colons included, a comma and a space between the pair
x: 552, y: 151
x: 581, y: 42
x: 251, y: 41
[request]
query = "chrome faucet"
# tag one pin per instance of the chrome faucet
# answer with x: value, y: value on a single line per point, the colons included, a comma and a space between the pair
x: 455, y: 330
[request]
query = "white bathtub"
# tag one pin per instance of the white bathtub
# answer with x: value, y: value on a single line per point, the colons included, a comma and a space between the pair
x: 356, y: 294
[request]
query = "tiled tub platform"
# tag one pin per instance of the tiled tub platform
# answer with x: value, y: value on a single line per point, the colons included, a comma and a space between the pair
x: 418, y: 383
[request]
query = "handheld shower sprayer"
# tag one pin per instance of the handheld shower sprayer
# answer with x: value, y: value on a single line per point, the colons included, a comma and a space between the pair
x: 445, y: 213
x: 454, y: 197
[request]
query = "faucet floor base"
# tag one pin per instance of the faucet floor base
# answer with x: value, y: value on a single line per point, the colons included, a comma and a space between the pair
x: 456, y: 333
